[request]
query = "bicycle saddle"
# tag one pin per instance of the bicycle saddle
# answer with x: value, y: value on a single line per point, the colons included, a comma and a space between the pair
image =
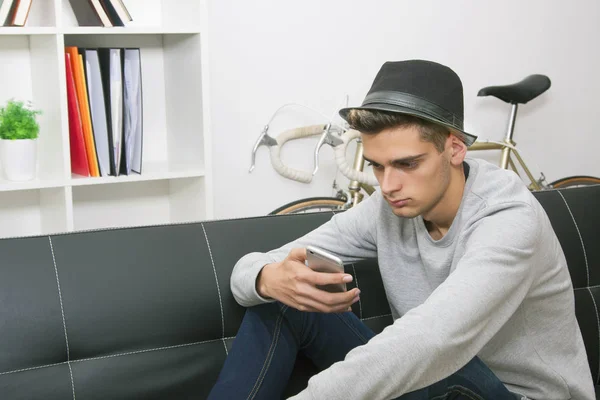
x: 521, y: 92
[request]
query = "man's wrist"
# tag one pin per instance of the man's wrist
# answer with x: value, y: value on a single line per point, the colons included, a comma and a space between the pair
x: 262, y: 288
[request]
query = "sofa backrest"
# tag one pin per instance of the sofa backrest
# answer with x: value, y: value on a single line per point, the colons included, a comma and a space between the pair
x: 147, y: 312
x: 575, y: 216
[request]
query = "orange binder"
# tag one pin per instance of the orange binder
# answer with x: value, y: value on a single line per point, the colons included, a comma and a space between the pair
x: 79, y: 161
x: 84, y: 108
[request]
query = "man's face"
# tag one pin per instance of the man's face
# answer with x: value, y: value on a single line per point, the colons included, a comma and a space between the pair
x: 412, y: 174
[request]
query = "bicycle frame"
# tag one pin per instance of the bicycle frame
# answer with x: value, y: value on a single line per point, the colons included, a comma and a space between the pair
x: 506, y: 146
x: 354, y: 187
x: 506, y: 159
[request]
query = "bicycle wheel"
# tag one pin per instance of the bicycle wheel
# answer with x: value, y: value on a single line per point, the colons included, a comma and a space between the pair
x: 574, y: 181
x: 310, y: 204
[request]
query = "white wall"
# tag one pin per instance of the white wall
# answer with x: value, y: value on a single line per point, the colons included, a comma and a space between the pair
x: 265, y: 53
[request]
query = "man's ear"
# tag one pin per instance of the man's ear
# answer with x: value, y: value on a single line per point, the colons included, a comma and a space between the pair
x: 458, y: 149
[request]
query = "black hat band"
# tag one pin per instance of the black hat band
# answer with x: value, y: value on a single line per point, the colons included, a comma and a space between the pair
x: 410, y: 101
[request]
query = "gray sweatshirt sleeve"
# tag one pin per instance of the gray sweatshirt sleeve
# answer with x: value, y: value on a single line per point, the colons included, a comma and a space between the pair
x: 349, y: 235
x: 438, y: 337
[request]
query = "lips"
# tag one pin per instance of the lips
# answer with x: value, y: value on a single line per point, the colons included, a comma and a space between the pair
x: 398, y: 203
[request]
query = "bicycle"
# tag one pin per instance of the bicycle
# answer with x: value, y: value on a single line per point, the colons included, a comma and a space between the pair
x: 338, y: 137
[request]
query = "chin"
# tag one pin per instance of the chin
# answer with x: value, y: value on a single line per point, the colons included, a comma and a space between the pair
x: 405, y: 212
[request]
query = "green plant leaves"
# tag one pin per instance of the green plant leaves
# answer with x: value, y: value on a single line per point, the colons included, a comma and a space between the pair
x: 18, y: 121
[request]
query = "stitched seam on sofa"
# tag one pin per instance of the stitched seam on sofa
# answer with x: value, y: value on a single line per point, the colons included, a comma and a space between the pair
x: 218, y: 289
x: 564, y: 188
x: 153, y: 349
x: 379, y: 316
x: 267, y: 362
x: 359, y: 300
x: 116, y: 355
x: 598, y: 322
x: 225, y: 345
x: 580, y: 238
x: 158, y: 225
x: 62, y: 311
x: 587, y: 287
x: 72, y: 382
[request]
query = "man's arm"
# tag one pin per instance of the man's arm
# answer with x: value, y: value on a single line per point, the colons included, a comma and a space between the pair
x: 349, y: 235
x: 437, y: 338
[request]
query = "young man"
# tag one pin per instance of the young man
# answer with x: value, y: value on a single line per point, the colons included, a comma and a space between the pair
x: 476, y: 279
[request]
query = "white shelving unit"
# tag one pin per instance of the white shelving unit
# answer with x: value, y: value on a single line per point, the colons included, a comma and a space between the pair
x: 175, y: 184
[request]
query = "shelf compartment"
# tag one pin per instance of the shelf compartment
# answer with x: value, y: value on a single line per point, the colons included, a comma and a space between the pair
x: 30, y: 67
x: 162, y: 15
x: 138, y: 203
x: 171, y: 94
x: 34, y: 212
x: 41, y: 20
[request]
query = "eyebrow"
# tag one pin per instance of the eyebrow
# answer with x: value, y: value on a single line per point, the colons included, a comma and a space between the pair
x: 400, y: 160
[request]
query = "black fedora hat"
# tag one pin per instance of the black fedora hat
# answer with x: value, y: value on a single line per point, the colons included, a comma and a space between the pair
x: 419, y: 88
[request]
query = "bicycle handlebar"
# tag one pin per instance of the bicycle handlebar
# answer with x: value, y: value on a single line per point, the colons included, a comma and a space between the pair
x: 291, y: 134
x: 345, y: 168
x: 275, y: 150
x: 338, y: 143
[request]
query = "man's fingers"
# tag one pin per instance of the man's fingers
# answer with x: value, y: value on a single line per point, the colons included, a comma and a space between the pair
x: 327, y: 299
x: 330, y: 299
x: 311, y: 299
x: 328, y: 278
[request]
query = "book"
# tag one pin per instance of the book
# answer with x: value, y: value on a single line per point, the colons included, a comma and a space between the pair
x: 121, y: 10
x: 112, y: 13
x: 111, y: 68
x: 20, y: 12
x: 96, y: 94
x: 79, y: 161
x: 6, y: 7
x: 90, y: 13
x: 132, y: 110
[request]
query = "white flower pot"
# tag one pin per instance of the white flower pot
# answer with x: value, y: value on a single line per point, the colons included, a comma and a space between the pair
x: 19, y: 159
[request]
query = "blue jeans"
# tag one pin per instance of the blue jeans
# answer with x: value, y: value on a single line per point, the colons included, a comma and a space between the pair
x: 264, y: 351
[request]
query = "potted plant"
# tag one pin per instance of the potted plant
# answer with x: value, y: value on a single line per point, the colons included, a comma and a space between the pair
x: 19, y: 131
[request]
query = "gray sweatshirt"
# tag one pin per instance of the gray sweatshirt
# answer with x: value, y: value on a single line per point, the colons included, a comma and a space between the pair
x: 496, y: 286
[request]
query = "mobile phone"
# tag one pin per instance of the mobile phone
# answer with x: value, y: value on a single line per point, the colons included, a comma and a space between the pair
x: 321, y: 261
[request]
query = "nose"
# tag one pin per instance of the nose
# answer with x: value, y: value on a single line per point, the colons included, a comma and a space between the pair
x: 390, y: 182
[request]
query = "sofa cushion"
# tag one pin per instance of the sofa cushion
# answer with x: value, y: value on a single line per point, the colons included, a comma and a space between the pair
x: 133, y: 307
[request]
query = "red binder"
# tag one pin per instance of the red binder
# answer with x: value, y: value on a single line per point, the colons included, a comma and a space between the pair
x: 79, y: 161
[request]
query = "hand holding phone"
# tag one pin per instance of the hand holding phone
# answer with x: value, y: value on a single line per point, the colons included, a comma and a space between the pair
x: 291, y: 282
x: 321, y: 261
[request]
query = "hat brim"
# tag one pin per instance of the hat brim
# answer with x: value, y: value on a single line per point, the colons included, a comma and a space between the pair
x: 469, y: 138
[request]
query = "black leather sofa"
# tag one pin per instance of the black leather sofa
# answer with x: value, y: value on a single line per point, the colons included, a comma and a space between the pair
x: 147, y: 313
